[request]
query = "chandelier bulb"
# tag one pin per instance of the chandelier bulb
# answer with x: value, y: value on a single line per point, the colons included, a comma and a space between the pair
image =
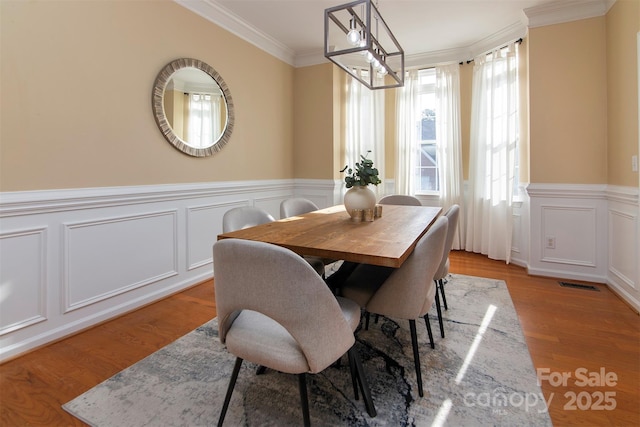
x: 370, y: 57
x: 353, y: 36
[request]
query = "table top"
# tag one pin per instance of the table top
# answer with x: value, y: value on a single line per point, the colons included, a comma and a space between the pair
x: 330, y: 233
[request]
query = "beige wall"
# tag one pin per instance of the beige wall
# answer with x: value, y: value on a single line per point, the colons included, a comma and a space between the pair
x: 567, y: 75
x: 314, y: 122
x: 623, y: 24
x: 66, y: 66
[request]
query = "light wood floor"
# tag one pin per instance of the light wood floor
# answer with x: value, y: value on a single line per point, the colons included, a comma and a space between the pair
x: 566, y: 329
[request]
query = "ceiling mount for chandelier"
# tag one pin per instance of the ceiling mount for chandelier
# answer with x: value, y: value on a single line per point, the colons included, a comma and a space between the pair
x: 356, y: 38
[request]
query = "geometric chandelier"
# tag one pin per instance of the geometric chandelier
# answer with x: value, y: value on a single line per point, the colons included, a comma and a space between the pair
x: 357, y: 39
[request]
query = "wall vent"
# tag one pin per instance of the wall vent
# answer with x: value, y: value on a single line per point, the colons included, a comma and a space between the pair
x: 579, y: 286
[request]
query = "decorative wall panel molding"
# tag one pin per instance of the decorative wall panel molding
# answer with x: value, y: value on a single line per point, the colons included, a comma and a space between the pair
x: 22, y: 278
x: 569, y: 235
x: 108, y: 257
x: 623, y: 228
x: 594, y: 230
x: 74, y: 258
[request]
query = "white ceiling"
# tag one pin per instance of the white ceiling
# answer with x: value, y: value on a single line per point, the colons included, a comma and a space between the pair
x: 428, y: 30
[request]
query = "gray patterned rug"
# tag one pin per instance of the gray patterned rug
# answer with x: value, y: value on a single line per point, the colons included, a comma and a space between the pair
x: 480, y: 374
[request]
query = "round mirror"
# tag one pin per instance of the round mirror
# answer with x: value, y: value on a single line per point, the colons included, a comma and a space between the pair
x: 192, y: 106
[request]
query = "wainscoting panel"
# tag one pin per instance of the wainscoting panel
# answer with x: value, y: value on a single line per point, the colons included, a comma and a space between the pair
x: 624, y: 248
x: 22, y: 278
x: 111, y: 256
x: 74, y: 258
x: 621, y: 262
x: 520, y: 229
x: 204, y: 223
x: 569, y: 235
x: 568, y: 231
x: 595, y: 229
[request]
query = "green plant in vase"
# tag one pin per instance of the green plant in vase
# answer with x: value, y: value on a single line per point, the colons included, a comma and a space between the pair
x: 362, y: 174
x: 359, y: 197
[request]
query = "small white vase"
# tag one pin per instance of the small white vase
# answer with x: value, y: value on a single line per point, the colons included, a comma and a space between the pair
x: 359, y: 197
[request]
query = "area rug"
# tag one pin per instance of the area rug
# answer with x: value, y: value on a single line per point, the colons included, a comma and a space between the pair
x: 480, y: 374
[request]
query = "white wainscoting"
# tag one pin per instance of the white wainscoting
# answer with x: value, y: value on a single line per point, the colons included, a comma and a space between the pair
x: 623, y: 228
x: 70, y: 259
x: 594, y: 229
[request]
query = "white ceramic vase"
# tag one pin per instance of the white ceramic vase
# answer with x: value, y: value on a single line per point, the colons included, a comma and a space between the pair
x: 359, y: 197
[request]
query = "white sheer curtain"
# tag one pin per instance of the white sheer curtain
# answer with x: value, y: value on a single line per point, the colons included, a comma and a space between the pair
x: 202, y: 120
x: 407, y: 107
x: 448, y: 145
x: 365, y: 128
x: 494, y: 139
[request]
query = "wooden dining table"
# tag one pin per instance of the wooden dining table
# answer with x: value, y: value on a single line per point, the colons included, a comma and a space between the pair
x: 331, y: 233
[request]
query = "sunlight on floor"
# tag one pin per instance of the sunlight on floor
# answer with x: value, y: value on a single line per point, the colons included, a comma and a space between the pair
x: 476, y: 342
x: 442, y: 414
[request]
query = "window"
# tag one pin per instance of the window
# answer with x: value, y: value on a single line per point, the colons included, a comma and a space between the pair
x: 426, y: 169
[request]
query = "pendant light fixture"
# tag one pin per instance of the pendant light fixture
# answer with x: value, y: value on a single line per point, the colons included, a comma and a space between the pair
x: 356, y: 38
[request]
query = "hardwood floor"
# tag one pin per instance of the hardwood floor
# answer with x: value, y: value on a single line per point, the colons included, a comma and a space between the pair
x: 566, y: 329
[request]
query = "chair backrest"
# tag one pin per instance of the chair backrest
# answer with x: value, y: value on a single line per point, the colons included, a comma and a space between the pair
x: 400, y: 199
x: 452, y: 214
x: 409, y: 291
x: 244, y: 217
x: 296, y: 206
x: 280, y: 284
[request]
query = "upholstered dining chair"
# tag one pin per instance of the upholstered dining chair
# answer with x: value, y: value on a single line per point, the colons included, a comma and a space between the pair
x: 250, y: 216
x: 275, y: 311
x: 400, y: 199
x: 452, y: 214
x: 407, y: 292
x: 296, y: 206
x: 406, y: 200
x: 244, y: 217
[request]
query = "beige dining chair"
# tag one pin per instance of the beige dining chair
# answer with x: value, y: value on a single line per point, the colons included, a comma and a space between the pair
x: 407, y: 292
x: 296, y: 206
x: 453, y: 215
x: 407, y: 200
x: 299, y: 206
x: 400, y: 199
x: 275, y: 311
x: 249, y: 216
x: 244, y: 217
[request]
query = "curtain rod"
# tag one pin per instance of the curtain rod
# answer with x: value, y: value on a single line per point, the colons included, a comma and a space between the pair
x: 517, y: 41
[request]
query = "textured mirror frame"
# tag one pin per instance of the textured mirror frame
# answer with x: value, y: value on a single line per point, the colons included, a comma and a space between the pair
x: 159, y: 87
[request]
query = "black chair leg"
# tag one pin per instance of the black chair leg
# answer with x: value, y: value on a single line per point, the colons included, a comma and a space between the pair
x: 261, y: 370
x: 232, y: 384
x: 444, y: 297
x: 354, y: 375
x: 302, y: 382
x: 367, y: 315
x: 362, y: 380
x: 439, y: 312
x: 416, y: 355
x: 428, y: 323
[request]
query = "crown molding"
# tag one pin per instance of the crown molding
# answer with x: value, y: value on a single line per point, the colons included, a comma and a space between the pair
x: 309, y: 58
x: 565, y: 11
x: 513, y: 32
x: 223, y: 17
x: 548, y: 14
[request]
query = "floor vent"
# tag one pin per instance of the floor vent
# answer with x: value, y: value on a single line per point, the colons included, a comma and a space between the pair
x: 579, y: 286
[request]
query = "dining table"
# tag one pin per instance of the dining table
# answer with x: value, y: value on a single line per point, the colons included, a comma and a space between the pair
x: 330, y: 233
